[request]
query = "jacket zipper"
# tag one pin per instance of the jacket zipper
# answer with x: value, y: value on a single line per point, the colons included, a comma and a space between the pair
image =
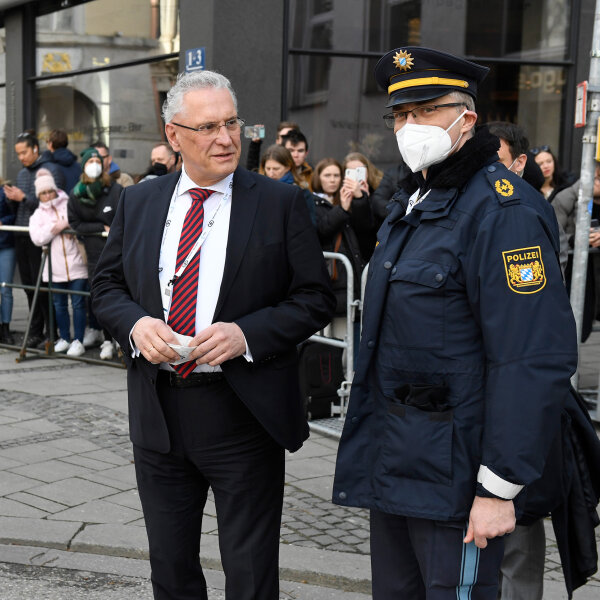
x: 62, y: 239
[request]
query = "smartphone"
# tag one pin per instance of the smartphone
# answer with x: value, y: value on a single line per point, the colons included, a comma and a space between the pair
x: 358, y: 174
x: 595, y: 224
x: 254, y: 131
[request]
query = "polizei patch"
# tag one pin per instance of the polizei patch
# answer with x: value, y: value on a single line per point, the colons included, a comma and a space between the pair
x: 524, y: 268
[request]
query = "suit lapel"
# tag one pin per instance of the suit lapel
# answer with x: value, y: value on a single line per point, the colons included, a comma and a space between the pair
x: 158, y: 208
x: 244, y: 204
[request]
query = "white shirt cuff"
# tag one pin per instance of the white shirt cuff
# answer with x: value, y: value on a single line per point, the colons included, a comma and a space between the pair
x: 135, y: 351
x: 247, y: 355
x: 496, y: 485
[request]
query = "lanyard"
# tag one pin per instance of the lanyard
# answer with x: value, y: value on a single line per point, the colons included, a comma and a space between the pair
x: 199, y: 242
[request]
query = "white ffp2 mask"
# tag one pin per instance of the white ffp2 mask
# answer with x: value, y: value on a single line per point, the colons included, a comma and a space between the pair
x: 424, y: 145
x: 93, y: 170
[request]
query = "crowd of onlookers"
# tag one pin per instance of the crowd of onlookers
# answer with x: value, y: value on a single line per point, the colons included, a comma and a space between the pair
x: 68, y: 202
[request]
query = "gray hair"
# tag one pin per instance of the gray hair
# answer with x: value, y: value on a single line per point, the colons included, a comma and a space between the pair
x: 188, y: 82
x: 465, y: 98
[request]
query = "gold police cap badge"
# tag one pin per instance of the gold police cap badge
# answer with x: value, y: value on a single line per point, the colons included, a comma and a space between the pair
x: 504, y: 187
x: 524, y: 268
x: 403, y: 60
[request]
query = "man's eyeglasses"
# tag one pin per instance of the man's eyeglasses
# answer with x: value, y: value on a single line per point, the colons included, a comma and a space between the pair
x: 419, y: 113
x: 539, y: 149
x: 212, y: 129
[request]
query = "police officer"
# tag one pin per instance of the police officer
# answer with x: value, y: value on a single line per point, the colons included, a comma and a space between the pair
x: 467, y: 350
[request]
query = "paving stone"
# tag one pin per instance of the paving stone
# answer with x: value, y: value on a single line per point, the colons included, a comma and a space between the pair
x: 38, y: 426
x: 11, y: 432
x: 50, y: 471
x: 31, y: 453
x: 72, y: 491
x: 11, y: 482
x: 42, y: 503
x: 74, y: 445
x: 8, y: 463
x: 13, y: 508
x: 50, y: 534
x: 98, y: 511
x: 83, y: 461
x: 310, y: 467
x: 130, y: 499
x: 107, y: 456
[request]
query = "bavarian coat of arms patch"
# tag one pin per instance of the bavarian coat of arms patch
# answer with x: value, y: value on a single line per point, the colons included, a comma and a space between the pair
x: 524, y: 270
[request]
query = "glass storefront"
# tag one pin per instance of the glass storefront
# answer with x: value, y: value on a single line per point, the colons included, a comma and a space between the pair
x: 118, y: 106
x: 336, y: 101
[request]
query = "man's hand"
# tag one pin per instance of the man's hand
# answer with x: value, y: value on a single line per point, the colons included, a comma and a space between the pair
x: 151, y: 336
x: 218, y: 343
x: 489, y: 518
x: 14, y: 193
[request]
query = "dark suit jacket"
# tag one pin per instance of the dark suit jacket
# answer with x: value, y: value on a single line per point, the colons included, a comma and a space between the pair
x: 275, y: 287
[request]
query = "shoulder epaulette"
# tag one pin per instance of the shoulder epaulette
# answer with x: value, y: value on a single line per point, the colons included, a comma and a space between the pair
x: 500, y: 180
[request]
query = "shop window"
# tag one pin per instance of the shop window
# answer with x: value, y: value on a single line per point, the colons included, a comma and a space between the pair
x: 312, y: 28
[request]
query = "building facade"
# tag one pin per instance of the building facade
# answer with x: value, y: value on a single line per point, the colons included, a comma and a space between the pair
x: 100, y: 68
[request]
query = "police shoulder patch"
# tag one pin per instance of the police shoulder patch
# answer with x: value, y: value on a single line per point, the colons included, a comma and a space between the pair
x: 524, y: 268
x: 504, y: 187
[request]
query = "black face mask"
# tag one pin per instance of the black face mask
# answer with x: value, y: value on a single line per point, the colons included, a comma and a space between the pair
x: 158, y: 169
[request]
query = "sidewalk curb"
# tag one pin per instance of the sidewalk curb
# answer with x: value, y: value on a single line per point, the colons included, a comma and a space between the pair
x: 340, y: 570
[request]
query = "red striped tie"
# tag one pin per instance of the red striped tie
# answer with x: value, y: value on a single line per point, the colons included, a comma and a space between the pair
x: 182, y: 316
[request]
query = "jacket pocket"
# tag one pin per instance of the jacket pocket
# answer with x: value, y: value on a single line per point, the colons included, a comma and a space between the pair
x: 418, y: 444
x: 417, y: 304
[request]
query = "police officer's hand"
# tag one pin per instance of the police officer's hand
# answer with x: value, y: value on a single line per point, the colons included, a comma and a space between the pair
x: 151, y: 336
x: 489, y: 518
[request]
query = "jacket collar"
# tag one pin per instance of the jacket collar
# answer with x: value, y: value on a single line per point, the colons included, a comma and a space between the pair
x: 244, y: 204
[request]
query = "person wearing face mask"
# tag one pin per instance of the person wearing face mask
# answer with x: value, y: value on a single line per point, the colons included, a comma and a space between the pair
x: 91, y: 208
x: 162, y: 161
x: 460, y: 381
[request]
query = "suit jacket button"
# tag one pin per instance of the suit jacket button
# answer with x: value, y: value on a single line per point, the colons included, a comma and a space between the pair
x: 354, y: 419
x: 439, y: 277
x: 387, y: 264
x: 371, y: 344
x: 342, y: 495
x: 394, y: 271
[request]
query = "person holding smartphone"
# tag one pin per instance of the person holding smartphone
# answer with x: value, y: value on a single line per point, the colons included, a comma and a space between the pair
x: 362, y: 178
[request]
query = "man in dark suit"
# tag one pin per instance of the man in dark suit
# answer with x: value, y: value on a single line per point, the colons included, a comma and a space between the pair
x: 245, y: 284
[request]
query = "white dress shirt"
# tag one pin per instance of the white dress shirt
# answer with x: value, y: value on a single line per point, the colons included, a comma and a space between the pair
x: 212, y: 252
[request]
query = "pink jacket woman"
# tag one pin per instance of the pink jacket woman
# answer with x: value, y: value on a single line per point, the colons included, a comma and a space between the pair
x: 45, y: 227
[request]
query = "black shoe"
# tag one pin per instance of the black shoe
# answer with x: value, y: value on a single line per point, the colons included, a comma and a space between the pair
x: 33, y: 341
x: 6, y: 337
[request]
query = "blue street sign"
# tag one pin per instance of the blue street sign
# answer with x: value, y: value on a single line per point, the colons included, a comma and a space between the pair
x: 194, y: 59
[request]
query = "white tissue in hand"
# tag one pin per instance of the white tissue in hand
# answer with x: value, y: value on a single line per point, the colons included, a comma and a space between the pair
x: 182, y: 348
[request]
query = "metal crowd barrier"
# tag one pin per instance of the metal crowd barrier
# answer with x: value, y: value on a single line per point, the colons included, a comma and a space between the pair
x: 48, y: 352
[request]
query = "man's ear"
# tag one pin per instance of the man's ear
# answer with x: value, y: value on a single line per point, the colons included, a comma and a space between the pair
x: 519, y: 165
x: 470, y: 121
x: 171, y: 133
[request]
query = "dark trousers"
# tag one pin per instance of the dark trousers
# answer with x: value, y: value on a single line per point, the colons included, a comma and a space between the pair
x: 216, y: 443
x: 29, y: 259
x: 418, y: 559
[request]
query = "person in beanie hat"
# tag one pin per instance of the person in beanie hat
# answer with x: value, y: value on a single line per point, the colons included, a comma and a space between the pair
x: 92, y: 206
x: 460, y: 382
x: 69, y: 271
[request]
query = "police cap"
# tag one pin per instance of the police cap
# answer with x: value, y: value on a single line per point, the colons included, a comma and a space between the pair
x: 414, y: 74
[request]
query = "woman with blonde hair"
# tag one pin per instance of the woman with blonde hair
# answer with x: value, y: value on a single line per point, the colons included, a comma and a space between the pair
x: 357, y: 162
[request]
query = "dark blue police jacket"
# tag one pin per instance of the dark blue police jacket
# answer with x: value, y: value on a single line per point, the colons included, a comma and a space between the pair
x: 465, y: 308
